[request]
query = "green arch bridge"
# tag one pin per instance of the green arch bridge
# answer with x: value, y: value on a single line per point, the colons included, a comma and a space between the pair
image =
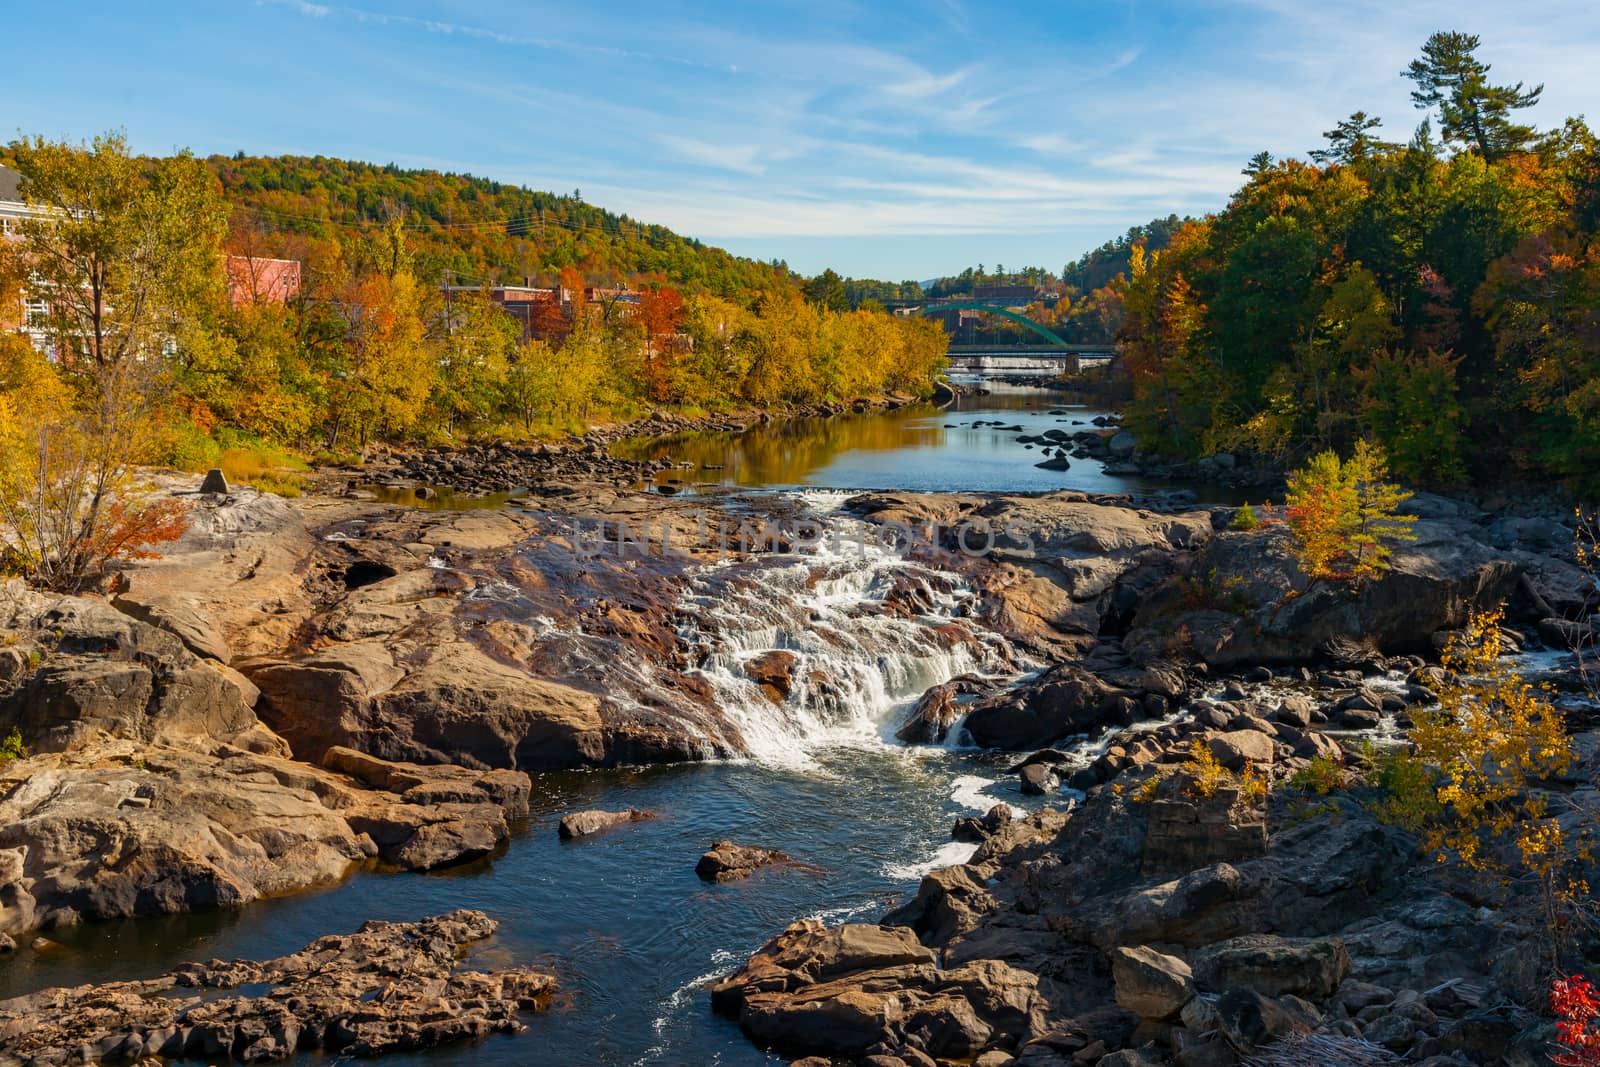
x: 1055, y: 339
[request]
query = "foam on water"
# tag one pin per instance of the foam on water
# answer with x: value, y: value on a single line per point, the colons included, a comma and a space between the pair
x: 948, y: 855
x: 968, y: 791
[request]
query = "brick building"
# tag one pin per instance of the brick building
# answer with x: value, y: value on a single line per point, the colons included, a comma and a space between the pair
x: 254, y: 280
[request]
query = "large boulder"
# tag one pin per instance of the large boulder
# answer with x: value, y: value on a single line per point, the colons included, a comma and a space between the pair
x: 94, y: 671
x: 857, y: 988
x: 1151, y: 984
x: 1067, y: 700
x: 1245, y: 602
x: 117, y: 830
x: 459, y: 706
x: 1308, y: 967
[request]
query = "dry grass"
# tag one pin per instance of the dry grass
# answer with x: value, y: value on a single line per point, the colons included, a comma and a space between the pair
x: 258, y: 467
x: 1322, y: 1050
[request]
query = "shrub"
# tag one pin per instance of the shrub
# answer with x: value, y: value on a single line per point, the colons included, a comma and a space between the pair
x: 1576, y: 1005
x: 67, y: 489
x: 1470, y: 790
x: 1321, y: 776
x: 1209, y: 775
x: 1244, y: 518
x: 1408, y: 795
x: 11, y: 746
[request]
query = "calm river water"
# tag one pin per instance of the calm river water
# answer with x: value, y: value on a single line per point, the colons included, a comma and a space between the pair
x: 916, y: 447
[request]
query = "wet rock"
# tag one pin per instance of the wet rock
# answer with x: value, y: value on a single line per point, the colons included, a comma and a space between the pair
x: 939, y: 709
x: 981, y: 829
x: 1066, y: 700
x: 1151, y: 984
x: 586, y: 823
x: 1039, y: 779
x: 774, y: 673
x: 388, y: 987
x: 864, y: 991
x: 728, y: 862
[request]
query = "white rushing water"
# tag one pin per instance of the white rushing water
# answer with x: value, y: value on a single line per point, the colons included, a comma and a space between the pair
x: 840, y: 608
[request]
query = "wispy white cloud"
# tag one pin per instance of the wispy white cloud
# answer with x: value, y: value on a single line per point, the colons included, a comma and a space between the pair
x: 845, y: 125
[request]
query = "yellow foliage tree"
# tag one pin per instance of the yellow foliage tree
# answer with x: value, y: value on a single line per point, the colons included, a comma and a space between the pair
x: 70, y: 501
x: 1344, y: 516
x: 1490, y: 741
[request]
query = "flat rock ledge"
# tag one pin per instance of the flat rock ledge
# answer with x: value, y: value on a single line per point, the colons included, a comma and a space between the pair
x: 388, y: 987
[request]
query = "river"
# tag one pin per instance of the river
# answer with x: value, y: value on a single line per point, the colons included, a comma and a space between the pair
x: 632, y: 933
x: 919, y: 447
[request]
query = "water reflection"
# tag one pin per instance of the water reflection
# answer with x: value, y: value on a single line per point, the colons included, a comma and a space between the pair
x: 919, y: 447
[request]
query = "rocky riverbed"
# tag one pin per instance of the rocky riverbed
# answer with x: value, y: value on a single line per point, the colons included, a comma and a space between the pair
x: 303, y: 689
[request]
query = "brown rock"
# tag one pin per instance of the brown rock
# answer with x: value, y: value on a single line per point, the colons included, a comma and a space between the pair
x: 1151, y: 984
x: 586, y: 823
x: 727, y: 862
x: 774, y: 673
x: 388, y: 987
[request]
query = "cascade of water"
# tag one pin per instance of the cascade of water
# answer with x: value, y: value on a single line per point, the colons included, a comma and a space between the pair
x: 868, y: 629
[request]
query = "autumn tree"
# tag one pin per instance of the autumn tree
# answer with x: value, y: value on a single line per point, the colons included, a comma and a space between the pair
x: 1344, y: 516
x: 125, y: 251
x: 474, y: 355
x: 1472, y: 112
x: 70, y: 498
x: 1488, y: 743
x: 660, y: 315
x: 382, y: 370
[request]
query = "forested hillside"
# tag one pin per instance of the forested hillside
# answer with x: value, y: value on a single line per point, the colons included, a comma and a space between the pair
x: 372, y: 345
x: 1439, y: 296
x: 474, y: 229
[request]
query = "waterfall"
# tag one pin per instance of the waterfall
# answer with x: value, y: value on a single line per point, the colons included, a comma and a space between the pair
x: 869, y: 631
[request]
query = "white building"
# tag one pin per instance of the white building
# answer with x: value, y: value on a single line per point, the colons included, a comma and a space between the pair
x: 12, y: 212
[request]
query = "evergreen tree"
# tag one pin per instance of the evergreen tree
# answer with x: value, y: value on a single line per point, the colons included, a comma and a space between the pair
x: 1472, y: 112
x: 1351, y: 141
x: 1259, y: 163
x: 827, y: 290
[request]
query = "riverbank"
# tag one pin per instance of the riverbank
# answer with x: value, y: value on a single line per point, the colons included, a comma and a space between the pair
x: 557, y: 467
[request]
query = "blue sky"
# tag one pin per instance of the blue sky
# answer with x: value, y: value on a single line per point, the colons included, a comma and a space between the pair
x: 885, y: 139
